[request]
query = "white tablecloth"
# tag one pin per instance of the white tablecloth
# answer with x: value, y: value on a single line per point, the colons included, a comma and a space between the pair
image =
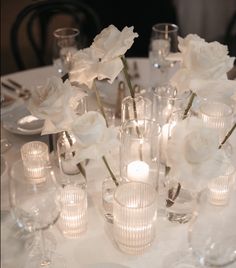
x: 96, y: 245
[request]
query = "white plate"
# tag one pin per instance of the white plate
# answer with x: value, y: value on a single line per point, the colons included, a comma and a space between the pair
x: 20, y: 121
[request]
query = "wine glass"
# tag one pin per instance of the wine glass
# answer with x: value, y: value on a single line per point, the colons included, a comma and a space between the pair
x: 35, y: 207
x: 212, y: 232
x: 65, y: 44
x: 163, y: 41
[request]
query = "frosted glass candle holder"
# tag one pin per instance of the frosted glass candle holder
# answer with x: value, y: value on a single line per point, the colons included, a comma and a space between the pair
x: 73, y: 219
x: 35, y: 159
x: 143, y: 108
x: 217, y: 115
x: 219, y: 188
x: 134, y: 212
x: 139, y: 151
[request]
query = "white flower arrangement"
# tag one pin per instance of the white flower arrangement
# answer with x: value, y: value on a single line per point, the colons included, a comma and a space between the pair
x: 193, y: 153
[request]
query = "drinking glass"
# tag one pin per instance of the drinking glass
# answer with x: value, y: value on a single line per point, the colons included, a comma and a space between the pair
x: 65, y: 44
x: 35, y: 208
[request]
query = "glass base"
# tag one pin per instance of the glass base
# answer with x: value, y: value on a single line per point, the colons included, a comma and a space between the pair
x: 134, y: 250
x: 52, y: 261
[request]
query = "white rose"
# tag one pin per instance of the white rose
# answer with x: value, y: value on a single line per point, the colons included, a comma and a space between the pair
x: 201, y: 61
x: 94, y: 139
x: 111, y: 43
x: 55, y: 103
x: 193, y: 154
x: 102, y: 59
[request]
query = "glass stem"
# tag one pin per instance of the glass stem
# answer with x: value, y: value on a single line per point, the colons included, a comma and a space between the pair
x: 45, y: 261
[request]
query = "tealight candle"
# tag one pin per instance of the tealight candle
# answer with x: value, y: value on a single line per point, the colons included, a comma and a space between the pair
x: 73, y: 218
x: 138, y: 171
x: 35, y: 159
x: 219, y: 188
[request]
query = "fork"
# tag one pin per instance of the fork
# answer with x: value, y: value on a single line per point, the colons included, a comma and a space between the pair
x: 20, y: 90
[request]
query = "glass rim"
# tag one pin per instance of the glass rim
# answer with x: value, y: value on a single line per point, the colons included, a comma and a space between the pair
x: 229, y: 113
x: 184, y: 95
x: 61, y: 32
x: 152, y: 201
x: 44, y: 147
x: 174, y: 27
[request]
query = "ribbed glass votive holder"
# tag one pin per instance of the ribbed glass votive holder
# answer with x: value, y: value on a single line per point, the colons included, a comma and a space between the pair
x: 217, y: 115
x: 134, y: 213
x: 219, y: 188
x: 73, y: 219
x: 35, y: 157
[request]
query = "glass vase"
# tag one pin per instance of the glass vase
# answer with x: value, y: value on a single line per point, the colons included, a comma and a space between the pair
x: 136, y: 108
x: 139, y: 151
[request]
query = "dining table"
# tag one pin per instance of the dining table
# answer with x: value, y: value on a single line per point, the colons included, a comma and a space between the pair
x: 96, y: 247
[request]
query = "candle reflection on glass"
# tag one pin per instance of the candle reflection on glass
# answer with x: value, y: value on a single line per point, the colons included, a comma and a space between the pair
x: 35, y: 159
x: 138, y: 171
x: 73, y: 218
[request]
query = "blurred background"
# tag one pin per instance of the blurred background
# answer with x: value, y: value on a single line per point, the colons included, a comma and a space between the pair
x: 213, y: 20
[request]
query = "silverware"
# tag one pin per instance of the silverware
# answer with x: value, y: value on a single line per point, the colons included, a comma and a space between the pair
x: 20, y: 90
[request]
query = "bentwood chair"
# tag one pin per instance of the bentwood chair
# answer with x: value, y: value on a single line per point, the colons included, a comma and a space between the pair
x: 34, y: 26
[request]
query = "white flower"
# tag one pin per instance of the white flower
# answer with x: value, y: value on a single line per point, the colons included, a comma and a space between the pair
x: 94, y: 139
x: 193, y: 154
x: 102, y: 59
x: 55, y: 102
x: 201, y: 61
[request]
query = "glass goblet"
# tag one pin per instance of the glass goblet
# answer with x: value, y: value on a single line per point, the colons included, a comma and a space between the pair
x: 65, y: 44
x: 212, y: 232
x: 35, y: 207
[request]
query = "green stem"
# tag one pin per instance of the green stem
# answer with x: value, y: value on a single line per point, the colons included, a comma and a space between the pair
x: 99, y: 102
x: 132, y: 93
x: 110, y: 171
x: 193, y: 95
x: 227, y: 136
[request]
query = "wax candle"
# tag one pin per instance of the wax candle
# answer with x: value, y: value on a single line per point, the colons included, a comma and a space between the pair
x: 138, y: 171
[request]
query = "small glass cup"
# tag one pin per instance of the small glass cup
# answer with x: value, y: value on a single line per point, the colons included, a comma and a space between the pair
x: 65, y: 44
x: 73, y: 218
x: 217, y: 115
x: 219, y: 189
x: 35, y: 157
x: 135, y: 212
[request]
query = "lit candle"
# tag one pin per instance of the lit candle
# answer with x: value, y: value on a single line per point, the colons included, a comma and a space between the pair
x: 73, y: 218
x: 138, y: 171
x: 35, y: 159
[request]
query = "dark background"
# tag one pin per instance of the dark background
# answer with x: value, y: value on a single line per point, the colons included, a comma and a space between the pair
x: 140, y: 14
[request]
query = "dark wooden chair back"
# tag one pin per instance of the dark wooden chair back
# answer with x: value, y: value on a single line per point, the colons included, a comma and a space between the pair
x: 35, y: 21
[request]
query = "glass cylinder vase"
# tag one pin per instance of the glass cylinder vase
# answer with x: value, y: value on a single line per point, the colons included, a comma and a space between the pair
x: 136, y: 108
x: 139, y: 151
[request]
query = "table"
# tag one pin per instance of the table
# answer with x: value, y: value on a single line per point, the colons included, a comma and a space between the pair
x: 96, y: 245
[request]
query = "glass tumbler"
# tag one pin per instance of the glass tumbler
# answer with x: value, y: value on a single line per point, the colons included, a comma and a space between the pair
x: 134, y: 212
x: 65, y: 44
